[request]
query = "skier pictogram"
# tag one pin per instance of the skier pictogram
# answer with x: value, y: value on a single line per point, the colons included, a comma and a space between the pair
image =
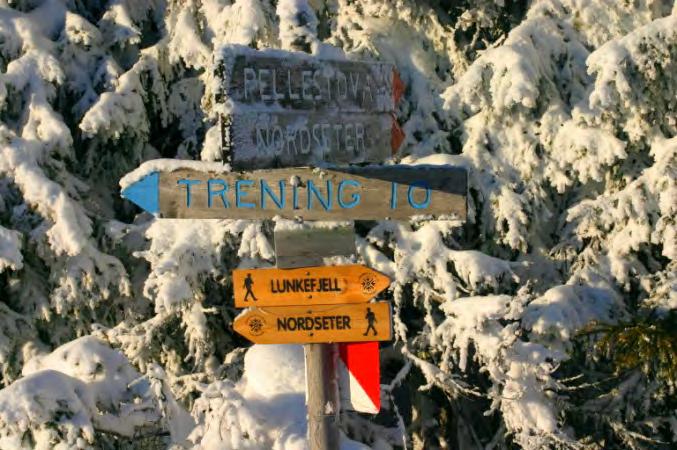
x: 371, y: 320
x: 248, y: 283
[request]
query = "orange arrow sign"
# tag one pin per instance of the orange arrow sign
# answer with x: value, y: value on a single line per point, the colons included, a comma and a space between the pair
x: 324, y: 285
x: 316, y: 324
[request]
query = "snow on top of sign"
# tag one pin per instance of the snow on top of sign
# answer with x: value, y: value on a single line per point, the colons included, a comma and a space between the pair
x: 292, y: 225
x: 439, y: 159
x: 241, y: 313
x: 325, y: 52
x: 170, y: 165
x: 228, y: 52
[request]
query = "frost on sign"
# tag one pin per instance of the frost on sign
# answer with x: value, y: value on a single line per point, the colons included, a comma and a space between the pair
x: 296, y: 81
x: 265, y: 139
x: 288, y: 109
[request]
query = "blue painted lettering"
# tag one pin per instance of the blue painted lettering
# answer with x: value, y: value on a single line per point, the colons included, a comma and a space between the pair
x: 410, y: 195
x: 239, y: 194
x: 393, y: 195
x: 326, y: 204
x: 221, y: 192
x: 295, y: 196
x: 265, y: 189
x: 188, y: 184
x: 354, y: 197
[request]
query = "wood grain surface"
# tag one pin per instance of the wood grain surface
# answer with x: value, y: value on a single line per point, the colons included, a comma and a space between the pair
x: 269, y: 139
x: 291, y: 81
x: 316, y: 324
x: 370, y: 193
x: 322, y: 285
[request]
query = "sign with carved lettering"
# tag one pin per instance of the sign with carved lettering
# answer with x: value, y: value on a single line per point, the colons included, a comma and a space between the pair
x: 323, y: 285
x: 357, y: 193
x: 298, y: 81
x: 284, y: 139
x: 316, y: 324
x: 285, y: 109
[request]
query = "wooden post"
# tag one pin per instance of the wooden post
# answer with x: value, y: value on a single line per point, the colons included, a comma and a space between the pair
x: 322, y: 396
x: 305, y: 247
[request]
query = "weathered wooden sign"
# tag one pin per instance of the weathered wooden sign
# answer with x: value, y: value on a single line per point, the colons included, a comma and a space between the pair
x: 308, y: 247
x: 323, y: 285
x: 298, y: 81
x: 316, y: 324
x: 364, y: 193
x: 283, y: 139
x: 283, y: 109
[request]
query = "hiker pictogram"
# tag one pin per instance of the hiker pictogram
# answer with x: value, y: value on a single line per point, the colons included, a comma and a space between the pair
x: 248, y: 283
x: 371, y: 320
x: 314, y: 324
x: 322, y: 285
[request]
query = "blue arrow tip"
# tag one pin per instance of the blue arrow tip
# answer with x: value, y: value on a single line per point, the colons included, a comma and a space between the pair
x: 145, y: 193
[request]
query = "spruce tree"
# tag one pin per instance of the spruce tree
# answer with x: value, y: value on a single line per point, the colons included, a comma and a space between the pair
x: 545, y: 321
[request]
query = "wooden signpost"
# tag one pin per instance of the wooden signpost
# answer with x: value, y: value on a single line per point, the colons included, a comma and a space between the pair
x: 366, y: 193
x: 325, y: 285
x: 285, y: 109
x: 316, y: 324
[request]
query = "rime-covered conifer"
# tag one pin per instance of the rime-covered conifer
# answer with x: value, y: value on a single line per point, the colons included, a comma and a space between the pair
x: 546, y: 321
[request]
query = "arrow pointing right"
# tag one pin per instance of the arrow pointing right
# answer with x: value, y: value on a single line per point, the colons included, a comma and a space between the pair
x: 316, y: 324
x: 322, y: 285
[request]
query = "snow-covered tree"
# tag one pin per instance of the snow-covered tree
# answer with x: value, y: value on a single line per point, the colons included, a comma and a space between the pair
x: 546, y: 321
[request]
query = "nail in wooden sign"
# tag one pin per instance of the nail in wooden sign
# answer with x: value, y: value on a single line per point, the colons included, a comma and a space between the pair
x: 323, y: 285
x: 316, y: 324
x: 365, y: 193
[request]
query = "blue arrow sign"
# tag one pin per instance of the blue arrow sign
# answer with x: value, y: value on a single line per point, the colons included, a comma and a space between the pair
x: 145, y: 193
x: 358, y: 193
